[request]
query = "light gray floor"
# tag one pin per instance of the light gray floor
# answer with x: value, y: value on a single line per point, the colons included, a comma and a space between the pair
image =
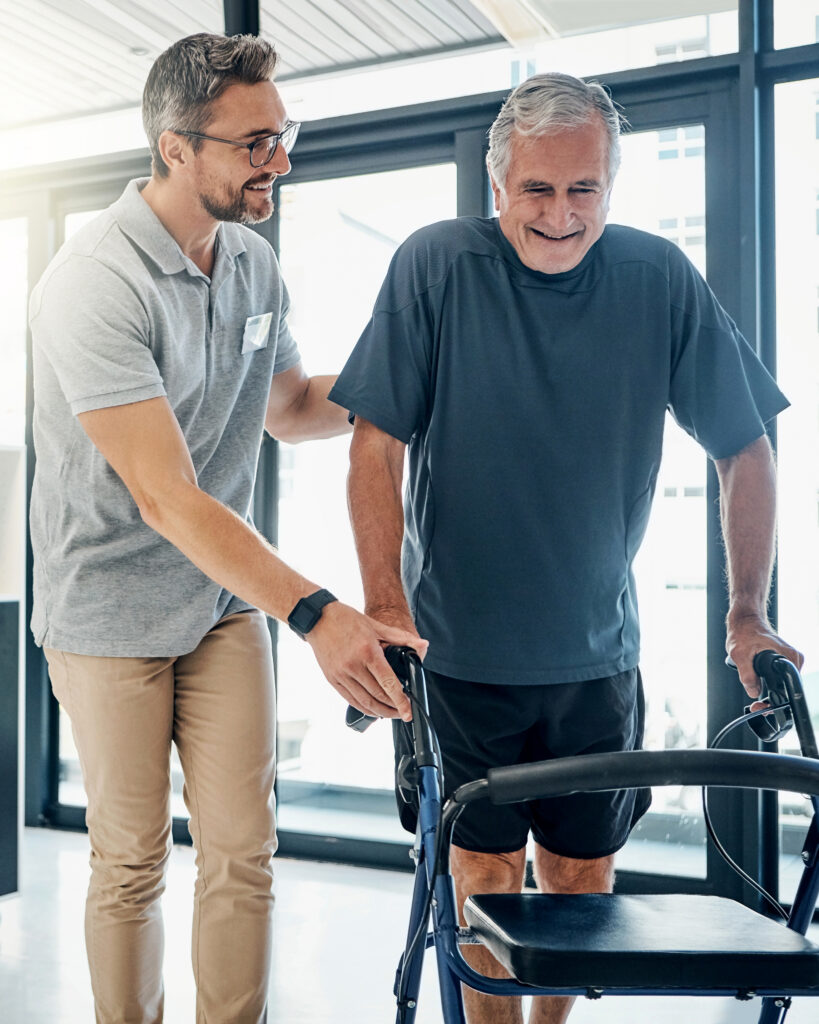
x: 338, y: 935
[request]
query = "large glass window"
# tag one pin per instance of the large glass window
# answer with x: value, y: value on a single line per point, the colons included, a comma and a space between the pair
x: 337, y: 238
x: 797, y: 303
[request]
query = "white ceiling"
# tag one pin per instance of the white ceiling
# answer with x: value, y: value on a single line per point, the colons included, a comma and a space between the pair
x: 63, y: 58
x: 60, y: 58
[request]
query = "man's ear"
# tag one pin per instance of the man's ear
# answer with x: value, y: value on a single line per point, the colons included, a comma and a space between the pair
x: 174, y: 149
x: 496, y: 191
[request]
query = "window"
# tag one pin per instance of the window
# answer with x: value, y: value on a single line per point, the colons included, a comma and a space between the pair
x: 796, y: 22
x: 337, y: 238
x: 797, y: 287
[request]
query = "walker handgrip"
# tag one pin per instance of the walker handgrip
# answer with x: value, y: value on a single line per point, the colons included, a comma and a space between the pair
x: 634, y: 769
x: 399, y: 660
x: 785, y: 691
x: 764, y: 662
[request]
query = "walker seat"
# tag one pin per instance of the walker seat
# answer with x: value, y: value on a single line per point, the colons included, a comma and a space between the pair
x: 668, y: 942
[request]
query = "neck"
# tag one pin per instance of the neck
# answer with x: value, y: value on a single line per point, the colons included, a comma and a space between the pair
x: 182, y: 216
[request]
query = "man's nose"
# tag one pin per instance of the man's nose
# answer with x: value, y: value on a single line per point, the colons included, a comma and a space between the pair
x: 280, y: 161
x: 559, y: 211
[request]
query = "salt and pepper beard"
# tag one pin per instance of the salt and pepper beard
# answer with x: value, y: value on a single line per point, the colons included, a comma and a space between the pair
x: 233, y: 210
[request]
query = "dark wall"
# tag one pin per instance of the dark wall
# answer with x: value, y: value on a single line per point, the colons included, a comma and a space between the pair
x: 9, y: 743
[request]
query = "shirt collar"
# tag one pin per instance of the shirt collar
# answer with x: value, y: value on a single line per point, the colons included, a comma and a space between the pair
x: 139, y: 222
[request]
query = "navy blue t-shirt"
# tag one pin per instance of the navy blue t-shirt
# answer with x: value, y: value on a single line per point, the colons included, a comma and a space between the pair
x: 533, y: 406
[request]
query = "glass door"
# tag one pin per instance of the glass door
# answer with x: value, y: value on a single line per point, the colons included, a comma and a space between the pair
x: 797, y: 328
x: 337, y: 238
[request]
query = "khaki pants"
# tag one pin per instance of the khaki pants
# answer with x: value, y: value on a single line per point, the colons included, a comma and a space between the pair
x: 217, y: 704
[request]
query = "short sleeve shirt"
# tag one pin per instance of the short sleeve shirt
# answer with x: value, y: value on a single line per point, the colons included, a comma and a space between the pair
x: 533, y: 406
x: 121, y: 315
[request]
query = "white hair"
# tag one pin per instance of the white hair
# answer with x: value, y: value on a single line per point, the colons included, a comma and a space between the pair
x: 547, y: 103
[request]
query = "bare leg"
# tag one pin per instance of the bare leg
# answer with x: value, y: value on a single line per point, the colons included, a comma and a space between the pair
x: 482, y: 873
x: 556, y: 874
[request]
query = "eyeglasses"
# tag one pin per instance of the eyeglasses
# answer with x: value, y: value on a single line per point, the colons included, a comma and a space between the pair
x: 261, y: 150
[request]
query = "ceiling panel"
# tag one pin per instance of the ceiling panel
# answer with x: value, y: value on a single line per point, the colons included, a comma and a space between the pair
x: 64, y: 58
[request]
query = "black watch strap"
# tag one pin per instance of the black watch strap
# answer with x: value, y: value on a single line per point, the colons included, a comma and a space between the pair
x: 308, y: 611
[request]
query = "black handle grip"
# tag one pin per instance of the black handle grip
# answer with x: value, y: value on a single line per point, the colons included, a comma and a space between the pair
x: 358, y: 720
x: 764, y: 662
x: 398, y: 658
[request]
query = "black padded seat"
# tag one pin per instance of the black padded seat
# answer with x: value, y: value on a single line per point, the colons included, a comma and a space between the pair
x: 656, y: 942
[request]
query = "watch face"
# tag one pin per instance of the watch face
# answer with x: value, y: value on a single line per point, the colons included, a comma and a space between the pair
x: 304, y: 616
x: 308, y: 611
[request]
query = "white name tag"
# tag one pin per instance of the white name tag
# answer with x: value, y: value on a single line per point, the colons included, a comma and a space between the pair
x: 257, y: 330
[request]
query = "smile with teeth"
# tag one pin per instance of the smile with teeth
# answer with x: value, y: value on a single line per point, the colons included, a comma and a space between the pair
x: 260, y: 186
x: 553, y: 238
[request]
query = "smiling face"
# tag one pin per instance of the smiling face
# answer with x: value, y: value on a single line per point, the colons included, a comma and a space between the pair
x: 555, y: 199
x: 228, y: 188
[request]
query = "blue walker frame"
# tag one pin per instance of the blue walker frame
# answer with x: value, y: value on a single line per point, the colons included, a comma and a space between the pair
x: 434, y: 895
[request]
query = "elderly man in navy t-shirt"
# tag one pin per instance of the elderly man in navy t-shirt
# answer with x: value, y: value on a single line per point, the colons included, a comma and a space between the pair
x: 527, y: 362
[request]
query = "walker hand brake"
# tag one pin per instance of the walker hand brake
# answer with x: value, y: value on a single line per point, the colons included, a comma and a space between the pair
x: 773, y: 724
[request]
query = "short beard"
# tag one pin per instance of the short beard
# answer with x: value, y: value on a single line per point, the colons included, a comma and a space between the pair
x: 234, y: 212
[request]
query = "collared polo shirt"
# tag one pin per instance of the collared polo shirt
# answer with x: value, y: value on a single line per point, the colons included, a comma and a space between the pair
x: 121, y: 315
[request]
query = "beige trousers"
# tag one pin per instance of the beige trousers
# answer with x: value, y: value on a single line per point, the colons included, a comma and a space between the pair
x: 217, y: 704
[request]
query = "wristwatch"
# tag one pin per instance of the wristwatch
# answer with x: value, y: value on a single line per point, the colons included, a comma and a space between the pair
x: 308, y: 611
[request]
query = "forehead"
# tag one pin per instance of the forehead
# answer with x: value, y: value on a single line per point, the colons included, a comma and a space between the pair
x: 572, y: 154
x: 248, y: 110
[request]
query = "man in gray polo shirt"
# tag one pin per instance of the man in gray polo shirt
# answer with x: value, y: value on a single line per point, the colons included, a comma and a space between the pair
x: 161, y: 352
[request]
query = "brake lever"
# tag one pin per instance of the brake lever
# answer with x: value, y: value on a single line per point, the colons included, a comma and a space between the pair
x: 773, y: 724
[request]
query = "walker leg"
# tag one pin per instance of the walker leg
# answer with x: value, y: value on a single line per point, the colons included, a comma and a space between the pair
x: 446, y: 923
x: 411, y: 970
x: 774, y: 1009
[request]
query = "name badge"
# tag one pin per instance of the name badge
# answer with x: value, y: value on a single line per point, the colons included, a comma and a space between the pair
x: 257, y: 330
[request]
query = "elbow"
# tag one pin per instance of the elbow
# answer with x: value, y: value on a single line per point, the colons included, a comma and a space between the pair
x: 161, y: 506
x: 150, y: 511
x: 285, y: 430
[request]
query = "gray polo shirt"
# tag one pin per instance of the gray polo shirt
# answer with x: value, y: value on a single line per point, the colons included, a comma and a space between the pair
x: 122, y: 315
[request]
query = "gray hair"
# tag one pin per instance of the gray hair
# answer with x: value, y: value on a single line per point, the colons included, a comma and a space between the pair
x: 190, y: 75
x: 547, y: 103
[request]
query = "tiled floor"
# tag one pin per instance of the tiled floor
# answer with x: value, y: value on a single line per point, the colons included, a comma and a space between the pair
x: 338, y: 934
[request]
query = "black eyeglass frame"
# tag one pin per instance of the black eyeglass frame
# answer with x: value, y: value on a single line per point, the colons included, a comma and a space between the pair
x: 291, y: 127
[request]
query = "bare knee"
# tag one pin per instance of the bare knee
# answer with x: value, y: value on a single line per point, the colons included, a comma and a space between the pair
x: 486, y: 872
x: 556, y: 874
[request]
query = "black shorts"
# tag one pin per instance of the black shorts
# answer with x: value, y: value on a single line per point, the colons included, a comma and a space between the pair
x: 483, y: 725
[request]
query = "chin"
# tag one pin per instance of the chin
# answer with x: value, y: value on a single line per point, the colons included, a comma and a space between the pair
x: 553, y: 266
x: 250, y: 217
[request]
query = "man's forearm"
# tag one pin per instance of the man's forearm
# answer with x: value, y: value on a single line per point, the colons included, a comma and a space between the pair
x: 748, y: 514
x: 377, y: 517
x: 228, y: 550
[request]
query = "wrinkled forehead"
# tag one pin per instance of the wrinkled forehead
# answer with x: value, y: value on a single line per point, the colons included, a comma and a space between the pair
x: 561, y: 156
